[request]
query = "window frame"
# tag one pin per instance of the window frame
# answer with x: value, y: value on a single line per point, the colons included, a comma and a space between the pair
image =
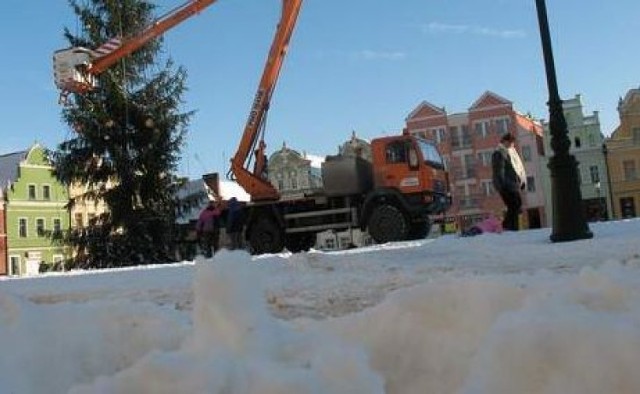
x: 32, y: 187
x: 24, y: 220
x: 46, y: 192
x: 41, y: 232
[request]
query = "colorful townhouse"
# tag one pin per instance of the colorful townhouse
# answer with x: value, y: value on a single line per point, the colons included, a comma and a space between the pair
x: 586, y: 138
x: 467, y: 141
x: 33, y: 208
x: 622, y: 152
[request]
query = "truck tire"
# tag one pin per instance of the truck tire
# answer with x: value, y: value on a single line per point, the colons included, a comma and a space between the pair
x: 265, y: 237
x: 387, y: 224
x: 419, y: 230
x: 300, y: 242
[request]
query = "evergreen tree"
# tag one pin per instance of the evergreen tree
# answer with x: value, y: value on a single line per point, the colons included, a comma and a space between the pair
x: 126, y: 142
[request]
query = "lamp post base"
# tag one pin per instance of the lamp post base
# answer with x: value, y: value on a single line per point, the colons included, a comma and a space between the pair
x: 568, y: 217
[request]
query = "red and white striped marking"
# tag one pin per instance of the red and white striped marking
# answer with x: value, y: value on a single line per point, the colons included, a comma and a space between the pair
x: 107, y: 47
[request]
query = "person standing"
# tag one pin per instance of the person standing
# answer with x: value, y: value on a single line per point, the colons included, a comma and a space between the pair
x: 208, y: 228
x: 234, y: 223
x: 509, y: 178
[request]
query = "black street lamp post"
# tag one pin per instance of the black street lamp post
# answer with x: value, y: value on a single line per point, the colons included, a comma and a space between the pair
x: 569, y: 223
x: 605, y: 153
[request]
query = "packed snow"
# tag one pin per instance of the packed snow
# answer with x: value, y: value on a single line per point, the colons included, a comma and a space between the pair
x: 495, y: 313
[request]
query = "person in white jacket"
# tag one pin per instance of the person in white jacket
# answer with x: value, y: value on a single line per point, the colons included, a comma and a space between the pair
x: 509, y: 178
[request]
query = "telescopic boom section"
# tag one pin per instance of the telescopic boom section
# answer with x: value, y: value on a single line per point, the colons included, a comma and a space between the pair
x: 255, y: 182
x: 157, y: 28
x: 75, y: 68
x: 75, y: 71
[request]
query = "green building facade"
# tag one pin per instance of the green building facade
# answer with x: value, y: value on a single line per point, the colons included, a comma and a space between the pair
x: 35, y: 206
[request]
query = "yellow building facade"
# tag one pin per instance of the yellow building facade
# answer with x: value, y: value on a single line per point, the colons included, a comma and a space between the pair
x: 623, y: 158
x: 85, y: 209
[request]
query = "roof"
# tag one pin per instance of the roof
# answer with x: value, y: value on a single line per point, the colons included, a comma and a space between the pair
x: 9, y: 164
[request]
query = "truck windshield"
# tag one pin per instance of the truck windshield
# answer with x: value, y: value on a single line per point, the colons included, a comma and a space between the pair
x: 431, y: 154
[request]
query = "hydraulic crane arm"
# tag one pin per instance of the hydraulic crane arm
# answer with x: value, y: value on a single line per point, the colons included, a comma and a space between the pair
x: 75, y: 68
x: 157, y: 28
x: 75, y: 71
x: 253, y: 181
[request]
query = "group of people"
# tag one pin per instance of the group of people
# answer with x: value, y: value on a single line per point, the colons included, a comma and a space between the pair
x: 509, y: 180
x: 211, y: 220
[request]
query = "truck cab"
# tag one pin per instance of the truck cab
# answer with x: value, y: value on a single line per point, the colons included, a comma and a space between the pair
x: 412, y: 166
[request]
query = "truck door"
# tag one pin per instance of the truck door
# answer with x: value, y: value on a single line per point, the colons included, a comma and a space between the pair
x: 401, y: 167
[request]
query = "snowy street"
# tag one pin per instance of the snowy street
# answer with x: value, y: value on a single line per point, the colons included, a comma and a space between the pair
x: 495, y: 313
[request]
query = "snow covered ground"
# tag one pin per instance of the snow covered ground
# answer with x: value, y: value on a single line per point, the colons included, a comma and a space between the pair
x: 497, y: 313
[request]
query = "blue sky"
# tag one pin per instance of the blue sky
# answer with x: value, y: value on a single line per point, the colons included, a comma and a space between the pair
x: 353, y: 65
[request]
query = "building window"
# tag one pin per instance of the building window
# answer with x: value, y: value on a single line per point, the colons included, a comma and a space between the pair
x: 502, y: 126
x: 22, y: 230
x: 40, y: 227
x: 526, y: 152
x: 595, y: 174
x: 487, y: 188
x: 531, y: 184
x: 636, y: 134
x: 46, y: 192
x: 485, y: 158
x: 577, y: 142
x: 629, y: 167
x: 32, y: 192
x: 57, y: 226
x: 78, y: 220
x: 481, y: 129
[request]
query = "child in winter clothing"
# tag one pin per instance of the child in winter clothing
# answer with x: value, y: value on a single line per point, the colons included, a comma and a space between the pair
x: 491, y: 224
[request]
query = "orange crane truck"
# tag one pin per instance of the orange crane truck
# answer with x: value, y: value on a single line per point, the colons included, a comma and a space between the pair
x: 392, y: 196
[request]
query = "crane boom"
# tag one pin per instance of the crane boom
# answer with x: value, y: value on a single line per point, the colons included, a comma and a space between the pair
x: 157, y: 28
x: 76, y: 68
x: 75, y: 71
x: 252, y: 181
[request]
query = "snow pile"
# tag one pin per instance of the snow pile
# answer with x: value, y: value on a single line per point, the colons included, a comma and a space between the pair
x: 492, y: 314
x: 518, y: 334
x: 238, y: 347
x: 49, y: 348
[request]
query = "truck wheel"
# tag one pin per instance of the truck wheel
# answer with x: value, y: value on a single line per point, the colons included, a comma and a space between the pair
x: 265, y: 237
x: 419, y: 230
x: 300, y: 242
x: 387, y: 224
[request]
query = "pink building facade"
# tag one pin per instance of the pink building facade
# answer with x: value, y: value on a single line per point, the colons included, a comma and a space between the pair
x: 467, y: 140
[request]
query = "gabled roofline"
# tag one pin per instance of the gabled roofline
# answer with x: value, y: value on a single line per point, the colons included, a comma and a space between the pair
x: 425, y: 104
x: 486, y: 94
